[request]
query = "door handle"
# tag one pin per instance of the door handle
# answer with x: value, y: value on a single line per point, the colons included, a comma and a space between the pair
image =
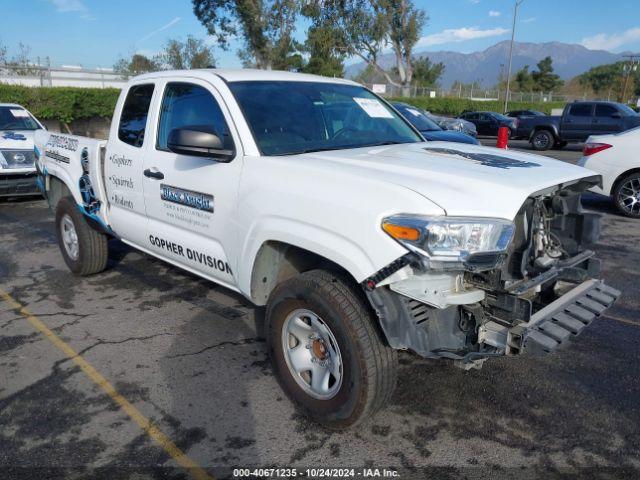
x: 153, y: 174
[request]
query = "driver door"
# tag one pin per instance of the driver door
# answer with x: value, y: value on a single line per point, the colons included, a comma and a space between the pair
x: 191, y: 201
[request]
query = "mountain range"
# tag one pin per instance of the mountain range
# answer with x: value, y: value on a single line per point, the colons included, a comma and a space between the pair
x: 569, y: 60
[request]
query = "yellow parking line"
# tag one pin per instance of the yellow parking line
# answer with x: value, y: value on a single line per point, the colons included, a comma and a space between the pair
x: 143, y: 422
x: 621, y: 320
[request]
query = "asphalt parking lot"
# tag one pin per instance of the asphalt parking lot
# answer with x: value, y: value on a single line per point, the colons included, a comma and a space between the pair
x: 189, y: 357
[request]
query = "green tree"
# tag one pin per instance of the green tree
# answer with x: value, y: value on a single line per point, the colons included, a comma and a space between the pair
x: 136, y: 65
x: 609, y: 80
x: 266, y: 27
x: 185, y: 55
x: 544, y: 79
x: 369, y: 26
x: 523, y: 80
x: 324, y: 45
x: 426, y: 73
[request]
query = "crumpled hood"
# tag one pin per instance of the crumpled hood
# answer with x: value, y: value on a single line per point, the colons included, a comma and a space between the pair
x: 464, y: 180
x: 448, y: 136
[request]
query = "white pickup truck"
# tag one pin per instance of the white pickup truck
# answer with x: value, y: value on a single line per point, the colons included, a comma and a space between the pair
x: 315, y: 198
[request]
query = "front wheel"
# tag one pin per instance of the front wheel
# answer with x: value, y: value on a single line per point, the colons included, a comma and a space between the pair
x: 542, y: 140
x: 85, y: 250
x: 626, y: 195
x: 326, y: 350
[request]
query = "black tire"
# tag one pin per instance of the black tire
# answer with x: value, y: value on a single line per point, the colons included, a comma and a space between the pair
x: 542, y: 140
x: 93, y: 250
x: 621, y: 191
x: 369, y: 365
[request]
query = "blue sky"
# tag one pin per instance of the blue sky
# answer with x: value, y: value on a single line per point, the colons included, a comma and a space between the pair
x: 95, y: 33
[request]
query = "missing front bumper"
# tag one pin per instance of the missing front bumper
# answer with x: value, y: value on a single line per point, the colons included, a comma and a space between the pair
x: 552, y: 326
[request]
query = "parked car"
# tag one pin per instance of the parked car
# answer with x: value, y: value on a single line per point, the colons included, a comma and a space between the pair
x: 578, y: 121
x: 17, y: 168
x: 429, y: 129
x: 524, y: 113
x: 616, y: 158
x: 455, y: 124
x: 488, y: 123
x: 358, y: 237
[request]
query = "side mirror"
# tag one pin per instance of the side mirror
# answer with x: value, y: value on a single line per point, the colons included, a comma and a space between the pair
x: 616, y: 115
x: 198, y: 141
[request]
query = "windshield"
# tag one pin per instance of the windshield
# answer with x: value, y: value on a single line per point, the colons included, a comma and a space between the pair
x: 16, y: 118
x: 499, y: 116
x: 417, y: 118
x: 287, y: 118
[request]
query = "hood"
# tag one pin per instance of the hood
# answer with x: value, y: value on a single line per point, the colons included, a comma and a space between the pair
x: 16, y: 139
x: 448, y: 136
x: 464, y: 180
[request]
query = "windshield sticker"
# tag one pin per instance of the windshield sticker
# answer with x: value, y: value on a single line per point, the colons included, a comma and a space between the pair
x: 373, y: 107
x: 485, y: 159
x: 413, y: 112
x: 188, y: 198
x: 19, y: 113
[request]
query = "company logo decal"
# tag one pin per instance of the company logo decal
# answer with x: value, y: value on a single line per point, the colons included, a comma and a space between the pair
x: 56, y: 156
x: 485, y: 159
x: 191, y: 254
x: 13, y: 136
x: 120, y: 161
x: 188, y: 198
x: 58, y: 141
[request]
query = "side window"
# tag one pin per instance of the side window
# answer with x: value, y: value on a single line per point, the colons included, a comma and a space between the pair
x: 186, y: 105
x: 135, y: 110
x: 605, y: 110
x: 580, y: 110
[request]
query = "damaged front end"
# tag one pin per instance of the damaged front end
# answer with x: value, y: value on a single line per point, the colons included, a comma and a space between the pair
x: 477, y: 288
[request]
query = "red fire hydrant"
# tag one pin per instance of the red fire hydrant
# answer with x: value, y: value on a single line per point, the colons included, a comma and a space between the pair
x: 503, y: 137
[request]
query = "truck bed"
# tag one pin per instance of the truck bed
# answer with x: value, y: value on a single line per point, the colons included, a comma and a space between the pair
x: 75, y: 160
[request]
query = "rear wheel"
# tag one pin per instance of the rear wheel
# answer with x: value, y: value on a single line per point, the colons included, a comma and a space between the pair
x: 326, y: 350
x: 626, y: 195
x: 542, y: 140
x: 85, y: 250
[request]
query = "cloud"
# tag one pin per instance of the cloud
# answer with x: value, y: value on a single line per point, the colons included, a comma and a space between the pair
x: 529, y: 20
x: 65, y: 6
x: 494, y: 13
x: 602, y: 41
x: 158, y: 30
x: 455, y: 35
x: 475, y: 2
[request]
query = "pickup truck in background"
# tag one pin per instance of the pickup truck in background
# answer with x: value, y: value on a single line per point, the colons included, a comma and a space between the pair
x: 314, y: 198
x: 17, y: 160
x: 578, y: 121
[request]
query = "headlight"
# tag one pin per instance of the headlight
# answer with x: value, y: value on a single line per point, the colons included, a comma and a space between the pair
x: 18, y: 158
x: 472, y: 241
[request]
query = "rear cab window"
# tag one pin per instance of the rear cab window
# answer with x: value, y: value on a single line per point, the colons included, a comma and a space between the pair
x: 133, y: 119
x: 580, y: 110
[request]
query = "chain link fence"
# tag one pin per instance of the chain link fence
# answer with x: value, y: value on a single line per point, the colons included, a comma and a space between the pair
x: 477, y: 94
